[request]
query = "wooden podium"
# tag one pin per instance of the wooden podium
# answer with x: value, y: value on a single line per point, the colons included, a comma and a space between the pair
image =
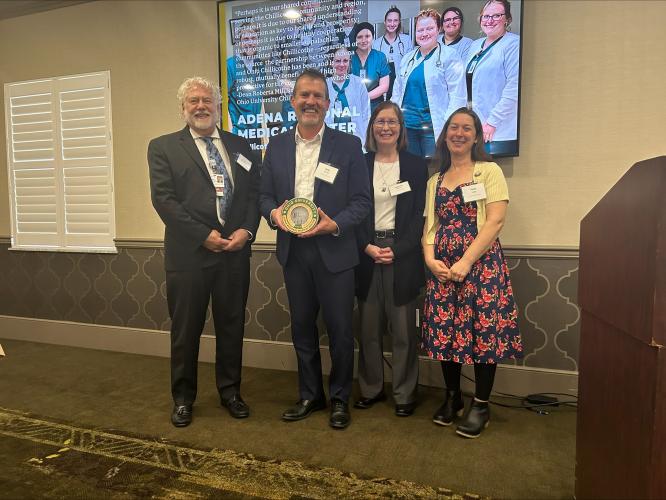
x: 621, y: 433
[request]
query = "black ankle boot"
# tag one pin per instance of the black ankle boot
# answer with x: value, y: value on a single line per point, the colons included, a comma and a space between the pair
x: 452, y: 407
x: 475, y: 421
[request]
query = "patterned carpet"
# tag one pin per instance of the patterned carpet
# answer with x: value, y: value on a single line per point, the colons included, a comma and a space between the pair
x: 55, y: 460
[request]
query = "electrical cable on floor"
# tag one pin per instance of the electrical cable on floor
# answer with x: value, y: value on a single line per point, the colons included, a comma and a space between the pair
x: 539, y: 408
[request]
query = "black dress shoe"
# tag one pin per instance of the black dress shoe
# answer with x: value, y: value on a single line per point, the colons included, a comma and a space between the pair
x: 365, y: 403
x: 452, y: 407
x: 181, y: 416
x: 340, y: 417
x: 236, y: 406
x: 302, y: 409
x: 475, y: 421
x: 405, y: 410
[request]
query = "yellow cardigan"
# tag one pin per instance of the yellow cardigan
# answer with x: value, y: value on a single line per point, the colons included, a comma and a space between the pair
x: 487, y: 173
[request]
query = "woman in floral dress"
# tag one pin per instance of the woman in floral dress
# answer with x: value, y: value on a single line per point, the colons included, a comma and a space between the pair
x: 470, y: 313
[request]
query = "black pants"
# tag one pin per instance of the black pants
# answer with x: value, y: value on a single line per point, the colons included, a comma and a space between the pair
x: 188, y: 295
x: 310, y: 286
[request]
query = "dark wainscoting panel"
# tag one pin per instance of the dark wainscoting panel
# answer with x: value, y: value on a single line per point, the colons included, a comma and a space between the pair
x: 127, y: 289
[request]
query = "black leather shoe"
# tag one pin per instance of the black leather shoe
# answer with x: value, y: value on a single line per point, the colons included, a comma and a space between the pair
x: 475, y: 421
x: 365, y: 403
x: 340, y: 417
x: 405, y: 410
x: 236, y: 406
x: 452, y: 407
x: 181, y: 416
x: 302, y: 409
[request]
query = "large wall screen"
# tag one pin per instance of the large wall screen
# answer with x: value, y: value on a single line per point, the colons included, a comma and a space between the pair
x: 368, y: 53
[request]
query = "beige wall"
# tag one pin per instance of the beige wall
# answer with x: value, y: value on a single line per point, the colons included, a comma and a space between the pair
x: 593, y: 97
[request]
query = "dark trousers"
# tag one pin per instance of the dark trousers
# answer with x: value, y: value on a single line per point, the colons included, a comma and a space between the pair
x: 310, y: 286
x: 188, y: 295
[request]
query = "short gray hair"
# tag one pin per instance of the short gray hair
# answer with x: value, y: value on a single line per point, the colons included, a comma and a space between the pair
x: 197, y: 81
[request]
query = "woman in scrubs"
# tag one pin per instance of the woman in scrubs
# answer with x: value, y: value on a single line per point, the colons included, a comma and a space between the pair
x: 350, y: 105
x: 429, y: 86
x: 370, y: 64
x: 452, y: 23
x: 492, y: 70
x: 394, y: 44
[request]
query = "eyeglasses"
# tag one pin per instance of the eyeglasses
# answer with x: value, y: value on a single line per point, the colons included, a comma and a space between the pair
x: 494, y: 17
x: 389, y: 123
x: 451, y: 19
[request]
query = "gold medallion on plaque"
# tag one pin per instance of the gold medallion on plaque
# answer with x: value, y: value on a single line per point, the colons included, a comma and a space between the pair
x: 300, y: 215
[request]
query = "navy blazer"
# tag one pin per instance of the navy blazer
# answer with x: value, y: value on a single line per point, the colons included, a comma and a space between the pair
x: 408, y: 266
x: 184, y: 197
x: 346, y: 201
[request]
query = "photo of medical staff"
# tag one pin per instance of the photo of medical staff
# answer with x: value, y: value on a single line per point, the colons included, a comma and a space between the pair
x: 345, y: 25
x: 350, y: 104
x: 246, y: 80
x: 429, y: 86
x: 370, y: 64
x: 394, y: 44
x: 451, y: 35
x: 303, y: 44
x: 492, y: 73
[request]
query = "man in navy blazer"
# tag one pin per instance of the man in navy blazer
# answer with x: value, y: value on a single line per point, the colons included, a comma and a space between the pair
x: 206, y: 242
x: 318, y: 265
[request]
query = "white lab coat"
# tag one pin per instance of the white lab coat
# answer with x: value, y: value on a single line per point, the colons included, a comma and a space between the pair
x: 495, y: 85
x: 462, y: 47
x: 401, y: 46
x: 359, y: 102
x: 444, y: 80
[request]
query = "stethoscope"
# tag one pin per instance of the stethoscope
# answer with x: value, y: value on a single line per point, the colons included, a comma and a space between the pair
x: 410, y: 64
x: 401, y: 46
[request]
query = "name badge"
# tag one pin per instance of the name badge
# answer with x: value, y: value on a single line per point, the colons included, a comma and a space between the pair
x: 399, y: 188
x: 326, y: 172
x: 244, y: 162
x: 218, y: 182
x: 473, y: 192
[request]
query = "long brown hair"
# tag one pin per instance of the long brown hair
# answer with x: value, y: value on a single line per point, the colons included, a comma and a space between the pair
x: 442, y: 159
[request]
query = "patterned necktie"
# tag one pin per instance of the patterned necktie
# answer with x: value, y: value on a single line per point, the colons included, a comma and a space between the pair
x: 217, y: 164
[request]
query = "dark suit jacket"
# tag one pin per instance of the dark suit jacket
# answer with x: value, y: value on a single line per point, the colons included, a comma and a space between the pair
x: 184, y: 197
x: 346, y: 201
x: 409, y: 275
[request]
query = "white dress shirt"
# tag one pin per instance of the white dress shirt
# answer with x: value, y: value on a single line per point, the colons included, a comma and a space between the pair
x: 307, y: 159
x: 384, y: 176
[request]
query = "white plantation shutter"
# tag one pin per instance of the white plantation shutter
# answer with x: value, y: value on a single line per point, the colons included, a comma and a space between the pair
x: 60, y: 157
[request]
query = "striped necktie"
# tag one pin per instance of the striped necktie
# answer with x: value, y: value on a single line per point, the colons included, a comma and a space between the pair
x: 217, y: 165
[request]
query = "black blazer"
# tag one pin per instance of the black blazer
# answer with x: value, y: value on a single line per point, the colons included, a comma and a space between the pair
x: 408, y: 266
x: 183, y: 195
x: 346, y: 201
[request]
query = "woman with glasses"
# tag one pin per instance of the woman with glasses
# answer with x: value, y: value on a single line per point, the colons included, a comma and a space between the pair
x: 469, y: 316
x: 370, y: 64
x: 391, y: 272
x: 492, y: 69
x: 429, y: 86
x: 394, y: 44
x: 349, y: 110
x: 451, y: 36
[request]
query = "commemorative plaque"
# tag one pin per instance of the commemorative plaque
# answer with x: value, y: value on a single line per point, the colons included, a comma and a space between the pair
x: 300, y: 215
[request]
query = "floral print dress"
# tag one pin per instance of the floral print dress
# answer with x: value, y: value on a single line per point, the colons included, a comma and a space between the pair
x: 473, y: 321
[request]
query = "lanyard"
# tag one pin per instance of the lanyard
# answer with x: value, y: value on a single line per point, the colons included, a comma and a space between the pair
x: 474, y: 62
